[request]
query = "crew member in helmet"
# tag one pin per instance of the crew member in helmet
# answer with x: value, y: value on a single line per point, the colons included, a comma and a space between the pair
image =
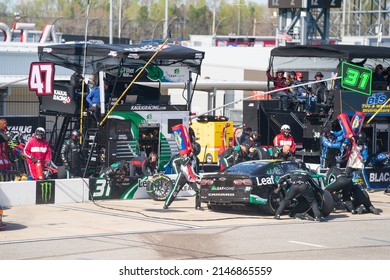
x: 37, y: 152
x: 71, y: 155
x: 331, y: 145
x: 186, y: 175
x: 361, y: 142
x: 284, y: 144
x: 184, y: 168
x: 245, y: 136
x: 117, y: 169
x: 5, y: 162
x: 295, y: 183
x: 380, y: 160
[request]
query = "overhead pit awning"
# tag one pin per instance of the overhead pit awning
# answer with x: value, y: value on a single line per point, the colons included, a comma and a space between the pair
x: 104, y: 57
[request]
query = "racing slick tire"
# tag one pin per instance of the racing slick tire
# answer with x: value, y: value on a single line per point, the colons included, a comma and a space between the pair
x: 159, y: 187
x: 324, y: 200
x: 327, y: 203
x: 274, y: 200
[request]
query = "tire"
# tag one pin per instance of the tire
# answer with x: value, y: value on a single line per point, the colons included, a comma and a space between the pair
x: 274, y: 200
x: 324, y: 200
x: 159, y: 187
x: 327, y: 203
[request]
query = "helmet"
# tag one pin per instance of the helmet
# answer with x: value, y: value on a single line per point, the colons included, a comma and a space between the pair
x: 75, y: 135
x: 361, y: 138
x: 318, y: 74
x: 285, y: 128
x: 299, y: 75
x: 292, y: 73
x: 123, y: 166
x: 381, y: 157
x: 40, y: 133
x: 326, y: 131
x: 196, y: 148
x: 248, y: 129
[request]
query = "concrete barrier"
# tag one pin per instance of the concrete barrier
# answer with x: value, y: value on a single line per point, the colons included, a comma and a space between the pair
x: 25, y: 192
x: 17, y: 193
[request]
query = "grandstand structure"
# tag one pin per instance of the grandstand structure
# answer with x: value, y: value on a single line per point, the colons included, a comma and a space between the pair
x: 315, y: 21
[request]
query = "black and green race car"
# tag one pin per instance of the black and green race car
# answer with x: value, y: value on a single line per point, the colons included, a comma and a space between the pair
x: 254, y: 184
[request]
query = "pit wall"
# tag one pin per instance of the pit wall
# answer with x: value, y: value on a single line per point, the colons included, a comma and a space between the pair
x: 63, y: 191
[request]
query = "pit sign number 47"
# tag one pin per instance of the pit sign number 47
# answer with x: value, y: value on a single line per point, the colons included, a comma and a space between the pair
x: 41, y: 78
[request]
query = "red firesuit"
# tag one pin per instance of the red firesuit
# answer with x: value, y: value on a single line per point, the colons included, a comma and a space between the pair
x: 37, y: 152
x: 282, y: 140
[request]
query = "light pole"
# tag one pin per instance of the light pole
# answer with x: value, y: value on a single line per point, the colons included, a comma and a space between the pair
x: 154, y: 29
x: 166, y: 24
x: 89, y: 23
x: 57, y: 19
x: 123, y: 26
x: 216, y: 30
x: 169, y: 24
x: 239, y: 16
x: 219, y: 22
x: 120, y: 19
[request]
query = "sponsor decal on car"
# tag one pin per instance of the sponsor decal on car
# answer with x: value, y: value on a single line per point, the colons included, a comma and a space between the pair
x: 214, y: 188
x: 221, y: 194
x: 265, y: 181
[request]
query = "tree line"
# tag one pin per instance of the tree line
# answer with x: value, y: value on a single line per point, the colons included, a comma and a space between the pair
x: 143, y: 19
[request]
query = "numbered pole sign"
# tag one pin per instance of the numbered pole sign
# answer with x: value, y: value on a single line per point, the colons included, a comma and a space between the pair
x: 41, y: 78
x: 356, y: 78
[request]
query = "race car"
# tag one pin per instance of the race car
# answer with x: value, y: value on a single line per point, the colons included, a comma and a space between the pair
x: 254, y: 184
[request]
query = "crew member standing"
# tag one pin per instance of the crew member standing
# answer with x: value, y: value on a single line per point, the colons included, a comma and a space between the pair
x: 38, y: 152
x: 331, y: 145
x: 71, y: 155
x: 185, y: 168
x: 5, y: 163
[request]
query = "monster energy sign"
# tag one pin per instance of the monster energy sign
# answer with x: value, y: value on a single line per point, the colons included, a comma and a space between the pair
x: 45, y: 192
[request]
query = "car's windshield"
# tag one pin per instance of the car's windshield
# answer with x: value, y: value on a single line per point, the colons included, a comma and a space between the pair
x: 249, y: 167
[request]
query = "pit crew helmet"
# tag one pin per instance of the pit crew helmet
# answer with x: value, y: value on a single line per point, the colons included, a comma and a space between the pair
x: 196, y: 148
x: 382, y: 157
x: 40, y: 133
x: 285, y: 128
x: 75, y: 135
x: 361, y: 138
